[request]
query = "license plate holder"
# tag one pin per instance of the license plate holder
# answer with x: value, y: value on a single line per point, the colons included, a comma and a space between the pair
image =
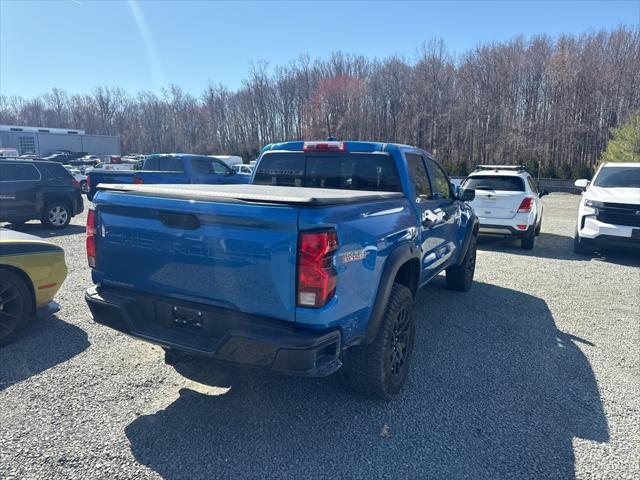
x: 188, y: 318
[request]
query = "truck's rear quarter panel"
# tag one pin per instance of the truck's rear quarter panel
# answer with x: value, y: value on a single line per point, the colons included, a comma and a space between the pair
x: 367, y: 233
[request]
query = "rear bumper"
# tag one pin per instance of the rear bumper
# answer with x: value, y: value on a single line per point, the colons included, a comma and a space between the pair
x: 495, y: 229
x: 219, y: 333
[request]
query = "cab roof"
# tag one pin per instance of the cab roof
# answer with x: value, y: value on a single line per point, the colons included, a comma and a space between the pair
x: 622, y: 164
x: 349, y: 146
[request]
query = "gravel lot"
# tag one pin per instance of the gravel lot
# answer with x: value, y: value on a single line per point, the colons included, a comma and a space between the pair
x: 533, y: 373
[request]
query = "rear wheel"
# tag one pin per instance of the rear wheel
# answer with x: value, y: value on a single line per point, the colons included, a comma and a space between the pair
x: 460, y: 277
x: 15, y: 305
x: 56, y: 215
x: 379, y: 370
x: 529, y: 241
x: 538, y: 228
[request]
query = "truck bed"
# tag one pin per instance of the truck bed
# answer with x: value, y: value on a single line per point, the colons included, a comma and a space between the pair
x: 254, y: 193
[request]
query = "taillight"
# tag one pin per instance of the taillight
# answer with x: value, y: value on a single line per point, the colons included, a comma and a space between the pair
x: 91, y: 238
x: 323, y: 147
x: 138, y: 180
x: 88, y: 182
x: 75, y: 183
x: 525, y: 205
x: 317, y: 277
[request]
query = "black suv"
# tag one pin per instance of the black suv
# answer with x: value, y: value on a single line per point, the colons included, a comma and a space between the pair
x: 36, y: 189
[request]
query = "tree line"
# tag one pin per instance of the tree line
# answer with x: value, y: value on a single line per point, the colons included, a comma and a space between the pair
x: 542, y: 101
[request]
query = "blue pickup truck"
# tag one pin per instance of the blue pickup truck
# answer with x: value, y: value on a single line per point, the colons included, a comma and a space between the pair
x: 174, y: 168
x: 313, y: 265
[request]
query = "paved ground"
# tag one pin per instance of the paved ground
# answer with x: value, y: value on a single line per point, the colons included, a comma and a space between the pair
x: 533, y: 373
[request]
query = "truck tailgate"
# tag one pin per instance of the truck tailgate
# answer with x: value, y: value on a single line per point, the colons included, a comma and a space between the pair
x: 239, y: 256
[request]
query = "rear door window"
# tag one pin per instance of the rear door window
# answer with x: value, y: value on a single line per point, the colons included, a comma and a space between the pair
x: 152, y: 163
x: 171, y: 164
x: 347, y: 171
x: 15, y: 172
x: 495, y: 182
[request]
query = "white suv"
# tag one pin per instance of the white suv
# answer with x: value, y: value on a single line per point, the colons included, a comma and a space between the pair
x: 507, y: 202
x: 609, y: 212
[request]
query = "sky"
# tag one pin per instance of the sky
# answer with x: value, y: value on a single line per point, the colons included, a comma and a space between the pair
x: 146, y: 45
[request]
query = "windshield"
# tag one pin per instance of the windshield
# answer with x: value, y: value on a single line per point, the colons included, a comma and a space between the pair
x: 622, y: 177
x: 494, y: 182
x: 347, y: 171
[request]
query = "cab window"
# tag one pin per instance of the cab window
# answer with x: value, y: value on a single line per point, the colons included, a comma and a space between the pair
x: 219, y: 167
x: 171, y: 164
x: 419, y: 177
x: 201, y: 165
x: 441, y: 184
x: 14, y: 172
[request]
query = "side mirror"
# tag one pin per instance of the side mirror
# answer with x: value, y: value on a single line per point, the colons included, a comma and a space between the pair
x: 466, y: 194
x: 582, y: 183
x: 543, y: 193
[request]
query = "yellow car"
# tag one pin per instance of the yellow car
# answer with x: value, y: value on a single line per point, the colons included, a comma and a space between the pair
x: 31, y: 272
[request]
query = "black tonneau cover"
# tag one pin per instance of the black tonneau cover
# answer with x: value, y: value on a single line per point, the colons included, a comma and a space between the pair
x: 254, y: 193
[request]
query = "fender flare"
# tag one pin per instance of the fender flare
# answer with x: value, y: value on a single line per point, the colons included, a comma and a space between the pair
x: 472, y: 228
x: 398, y: 257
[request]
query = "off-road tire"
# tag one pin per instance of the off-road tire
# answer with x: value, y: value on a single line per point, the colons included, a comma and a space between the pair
x: 379, y: 370
x: 460, y: 277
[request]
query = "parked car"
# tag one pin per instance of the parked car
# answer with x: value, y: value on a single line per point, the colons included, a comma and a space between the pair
x: 170, y: 169
x: 246, y: 169
x: 86, y: 161
x: 80, y: 178
x: 8, y: 152
x: 507, y: 202
x: 31, y: 272
x: 336, y: 237
x: 38, y: 190
x: 609, y: 212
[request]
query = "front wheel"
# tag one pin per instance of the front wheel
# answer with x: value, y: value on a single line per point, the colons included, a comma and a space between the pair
x: 379, y: 370
x: 460, y: 277
x: 579, y: 246
x: 56, y: 215
x: 15, y: 305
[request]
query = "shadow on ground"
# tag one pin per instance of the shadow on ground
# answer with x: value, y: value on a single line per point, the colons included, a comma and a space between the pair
x: 40, y: 346
x: 559, y: 247
x: 496, y: 390
x: 39, y: 230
